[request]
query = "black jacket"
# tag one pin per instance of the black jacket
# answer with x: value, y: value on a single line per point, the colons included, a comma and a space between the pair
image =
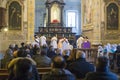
x: 80, y: 68
x: 58, y: 74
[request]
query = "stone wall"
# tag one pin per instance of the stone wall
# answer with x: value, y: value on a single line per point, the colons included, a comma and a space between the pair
x: 94, y: 22
x: 91, y: 20
x: 26, y: 34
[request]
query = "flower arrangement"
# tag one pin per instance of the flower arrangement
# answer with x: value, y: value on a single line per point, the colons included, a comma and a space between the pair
x: 55, y: 21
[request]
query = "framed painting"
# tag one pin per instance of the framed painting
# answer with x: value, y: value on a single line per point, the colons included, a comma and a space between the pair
x: 15, y: 16
x: 55, y: 13
x: 112, y: 14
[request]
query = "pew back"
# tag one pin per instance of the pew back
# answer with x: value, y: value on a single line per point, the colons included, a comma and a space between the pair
x: 4, y: 72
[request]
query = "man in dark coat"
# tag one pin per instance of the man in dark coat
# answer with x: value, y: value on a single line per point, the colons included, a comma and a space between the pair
x: 21, y: 54
x: 102, y: 71
x: 81, y: 67
x: 58, y: 71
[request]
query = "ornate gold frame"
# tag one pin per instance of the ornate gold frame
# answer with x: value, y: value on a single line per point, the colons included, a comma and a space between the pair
x: 106, y: 15
x: 55, y: 13
x: 20, y: 3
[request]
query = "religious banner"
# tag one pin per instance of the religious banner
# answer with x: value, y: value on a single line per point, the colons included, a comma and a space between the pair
x: 15, y: 16
x: 112, y: 16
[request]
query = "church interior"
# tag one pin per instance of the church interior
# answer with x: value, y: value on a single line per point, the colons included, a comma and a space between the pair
x: 23, y: 21
x: 76, y: 17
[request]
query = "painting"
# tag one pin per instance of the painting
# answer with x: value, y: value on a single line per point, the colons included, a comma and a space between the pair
x: 15, y: 16
x: 112, y: 16
x: 2, y: 17
x: 55, y: 13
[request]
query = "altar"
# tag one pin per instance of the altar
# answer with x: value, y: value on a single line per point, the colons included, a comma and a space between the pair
x: 54, y: 22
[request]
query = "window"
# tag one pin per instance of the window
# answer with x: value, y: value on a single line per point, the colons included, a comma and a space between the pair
x: 71, y: 19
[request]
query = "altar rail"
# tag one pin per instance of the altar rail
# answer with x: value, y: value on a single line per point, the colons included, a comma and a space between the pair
x: 59, y: 31
x: 91, y: 54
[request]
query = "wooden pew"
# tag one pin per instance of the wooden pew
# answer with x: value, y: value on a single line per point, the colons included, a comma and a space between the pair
x: 3, y: 76
x: 45, y: 69
x: 4, y: 72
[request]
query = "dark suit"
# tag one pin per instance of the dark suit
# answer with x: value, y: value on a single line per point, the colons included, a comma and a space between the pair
x: 101, y: 76
x: 58, y: 74
x: 80, y: 68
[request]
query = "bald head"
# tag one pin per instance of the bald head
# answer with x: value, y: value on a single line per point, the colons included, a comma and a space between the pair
x: 58, y: 62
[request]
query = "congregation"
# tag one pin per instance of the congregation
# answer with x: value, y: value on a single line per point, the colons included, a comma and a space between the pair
x: 22, y: 62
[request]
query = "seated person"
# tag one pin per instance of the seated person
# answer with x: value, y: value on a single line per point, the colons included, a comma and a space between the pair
x: 58, y: 71
x: 51, y: 52
x: 22, y: 70
x: 42, y: 59
x: 21, y: 54
x: 102, y: 71
x: 66, y: 54
x: 81, y: 67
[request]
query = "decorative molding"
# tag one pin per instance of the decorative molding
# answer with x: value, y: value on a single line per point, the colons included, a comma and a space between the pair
x: 112, y: 35
x: 88, y: 27
x: 87, y: 30
x: 17, y: 36
x: 108, y: 1
x: 21, y: 5
x: 19, y: 1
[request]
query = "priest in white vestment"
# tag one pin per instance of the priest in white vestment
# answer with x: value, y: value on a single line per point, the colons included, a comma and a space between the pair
x: 36, y: 41
x: 63, y: 44
x: 43, y: 41
x: 79, y: 42
x: 54, y: 42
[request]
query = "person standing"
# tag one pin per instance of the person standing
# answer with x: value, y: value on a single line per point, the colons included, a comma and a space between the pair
x: 63, y: 44
x: 86, y: 43
x: 43, y: 40
x: 54, y: 42
x: 79, y: 42
x: 36, y: 41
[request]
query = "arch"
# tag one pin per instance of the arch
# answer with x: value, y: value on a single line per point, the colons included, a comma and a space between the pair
x: 14, y: 15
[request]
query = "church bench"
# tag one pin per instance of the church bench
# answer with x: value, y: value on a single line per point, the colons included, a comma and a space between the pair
x: 4, y: 76
x: 46, y: 69
x: 3, y: 71
x: 41, y: 71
